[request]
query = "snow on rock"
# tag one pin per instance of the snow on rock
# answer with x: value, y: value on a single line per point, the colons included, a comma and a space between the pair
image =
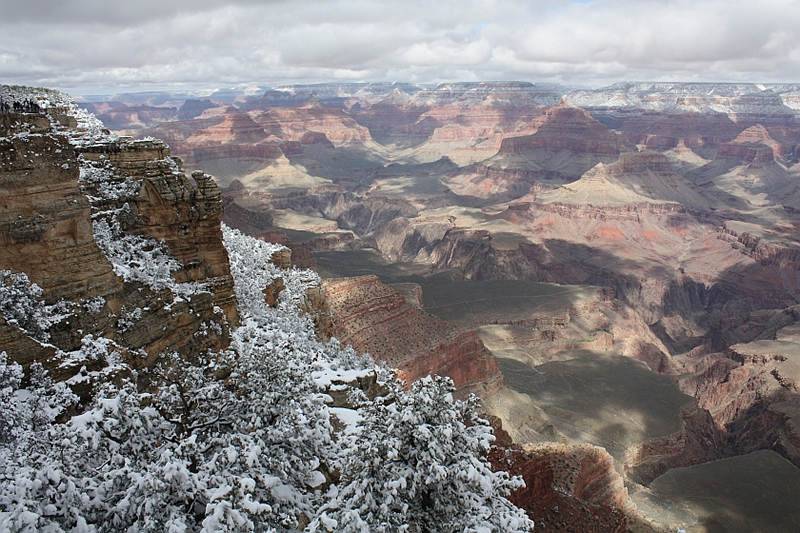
x: 136, y: 258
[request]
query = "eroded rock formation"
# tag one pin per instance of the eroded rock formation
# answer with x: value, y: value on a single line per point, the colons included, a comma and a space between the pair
x: 375, y: 318
x: 676, y: 203
x: 53, y: 189
x: 566, y: 487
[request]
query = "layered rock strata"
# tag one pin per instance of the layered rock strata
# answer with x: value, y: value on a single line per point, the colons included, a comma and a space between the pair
x: 45, y: 219
x: 567, y: 488
x: 698, y: 441
x: 566, y: 127
x: 751, y: 390
x: 565, y: 142
x: 56, y: 185
x: 170, y: 208
x: 375, y: 318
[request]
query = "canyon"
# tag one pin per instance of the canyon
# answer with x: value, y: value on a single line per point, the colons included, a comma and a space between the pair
x: 602, y: 265
x: 613, y: 271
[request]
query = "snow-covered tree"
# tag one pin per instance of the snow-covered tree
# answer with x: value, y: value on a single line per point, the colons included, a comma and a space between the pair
x: 21, y: 303
x: 416, y: 465
x: 35, y: 492
x: 11, y: 416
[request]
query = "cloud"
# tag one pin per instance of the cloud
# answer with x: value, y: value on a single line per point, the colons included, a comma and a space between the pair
x: 86, y: 44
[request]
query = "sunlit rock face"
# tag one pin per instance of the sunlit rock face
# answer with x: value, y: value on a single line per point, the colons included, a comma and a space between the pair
x: 46, y: 226
x: 565, y: 486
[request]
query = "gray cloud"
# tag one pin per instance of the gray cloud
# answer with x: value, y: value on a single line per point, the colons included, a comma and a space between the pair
x: 85, y: 44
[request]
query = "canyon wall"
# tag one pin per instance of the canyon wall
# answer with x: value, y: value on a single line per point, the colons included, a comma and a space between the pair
x: 375, y: 318
x: 55, y: 188
x: 567, y: 488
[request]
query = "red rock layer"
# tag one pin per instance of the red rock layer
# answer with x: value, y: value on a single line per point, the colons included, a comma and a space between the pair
x: 566, y: 488
x: 292, y: 124
x: 662, y: 131
x: 565, y: 127
x: 375, y: 318
x: 753, y: 145
x: 235, y: 128
x: 698, y: 441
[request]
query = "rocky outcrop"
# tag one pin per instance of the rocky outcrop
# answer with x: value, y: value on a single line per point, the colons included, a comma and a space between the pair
x: 498, y: 184
x: 375, y: 318
x: 566, y: 487
x: 635, y: 178
x: 235, y: 128
x: 566, y: 127
x: 751, y: 390
x: 698, y: 441
x: 194, y: 108
x: 317, y: 306
x: 565, y: 142
x: 272, y: 292
x: 45, y: 219
x: 775, y: 253
x: 395, y: 121
x: 587, y: 472
x: 185, y: 216
x: 703, y: 133
x: 753, y: 145
x: 769, y: 426
x: 56, y: 181
x: 324, y: 123
x: 239, y: 216
x: 463, y: 359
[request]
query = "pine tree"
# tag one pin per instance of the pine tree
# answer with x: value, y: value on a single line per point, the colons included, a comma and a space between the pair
x: 416, y: 465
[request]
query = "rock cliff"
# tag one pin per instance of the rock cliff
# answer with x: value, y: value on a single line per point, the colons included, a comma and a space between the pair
x: 698, y: 441
x: 566, y: 487
x: 375, y: 318
x: 563, y: 143
x: 753, y: 145
x: 566, y: 127
x: 751, y: 389
x: 66, y: 185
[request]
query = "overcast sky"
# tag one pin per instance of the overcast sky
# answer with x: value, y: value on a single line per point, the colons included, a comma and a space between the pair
x: 86, y: 46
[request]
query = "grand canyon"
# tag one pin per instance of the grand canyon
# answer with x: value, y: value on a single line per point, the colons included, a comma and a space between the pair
x: 614, y: 272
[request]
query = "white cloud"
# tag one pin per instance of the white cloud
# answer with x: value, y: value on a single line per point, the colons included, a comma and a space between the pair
x: 82, y: 44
